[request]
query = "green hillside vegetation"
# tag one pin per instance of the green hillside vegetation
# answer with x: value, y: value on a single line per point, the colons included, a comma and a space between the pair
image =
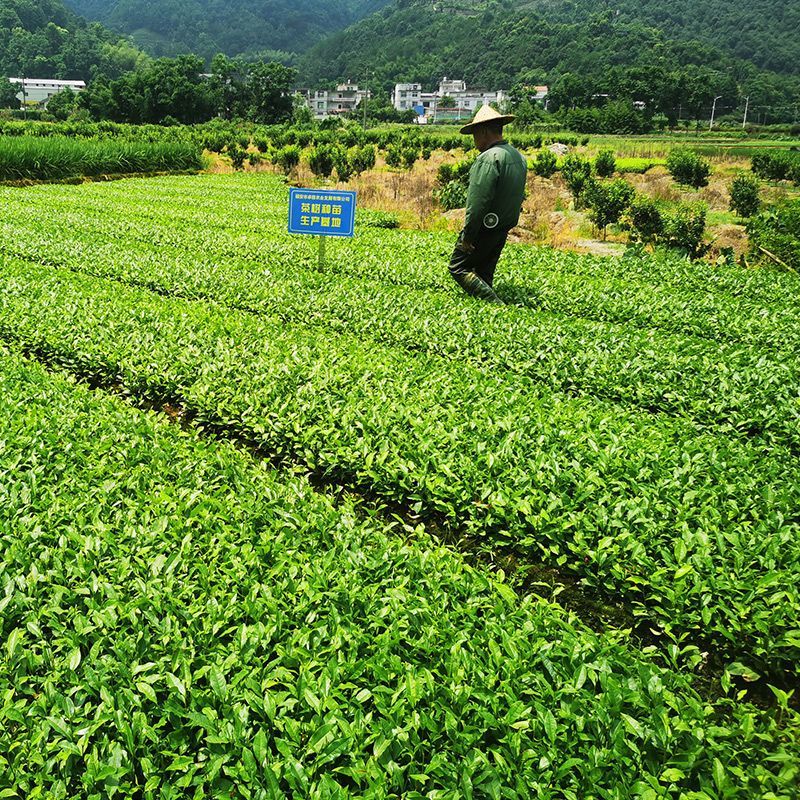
x: 752, y: 31
x: 580, y: 52
x: 263, y: 28
x: 44, y: 39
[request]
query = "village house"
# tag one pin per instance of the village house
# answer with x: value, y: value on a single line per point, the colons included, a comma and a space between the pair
x: 462, y: 102
x: 346, y: 98
x: 40, y: 90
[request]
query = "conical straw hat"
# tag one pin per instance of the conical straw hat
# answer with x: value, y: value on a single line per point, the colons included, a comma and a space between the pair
x: 487, y: 114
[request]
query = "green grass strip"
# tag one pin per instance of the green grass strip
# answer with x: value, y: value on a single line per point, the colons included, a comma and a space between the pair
x: 58, y: 157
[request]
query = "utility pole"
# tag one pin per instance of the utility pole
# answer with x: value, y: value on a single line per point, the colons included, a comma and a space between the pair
x: 713, y: 111
x: 746, y: 108
x: 24, y: 100
x: 366, y: 94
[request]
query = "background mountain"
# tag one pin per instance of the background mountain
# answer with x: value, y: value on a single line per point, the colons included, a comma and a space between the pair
x: 44, y: 39
x: 688, y: 49
x: 265, y: 28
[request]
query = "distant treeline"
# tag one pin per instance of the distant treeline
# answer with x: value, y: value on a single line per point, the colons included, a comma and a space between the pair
x: 172, y: 91
x: 175, y: 91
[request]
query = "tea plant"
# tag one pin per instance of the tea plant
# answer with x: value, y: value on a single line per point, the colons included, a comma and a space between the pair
x: 179, y: 620
x: 560, y: 477
x: 659, y: 291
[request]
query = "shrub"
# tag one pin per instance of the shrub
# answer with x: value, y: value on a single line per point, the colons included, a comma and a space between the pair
x: 687, y: 168
x: 607, y: 201
x: 684, y: 229
x: 409, y: 155
x: 343, y: 164
x: 744, y: 195
x: 453, y: 181
x: 321, y: 160
x: 351, y: 136
x: 331, y: 123
x: 304, y: 138
x: 644, y: 220
x: 452, y: 195
x: 453, y: 143
x: 288, y: 157
x: 545, y: 164
x: 605, y: 164
x: 775, y: 233
x: 237, y: 155
x: 445, y: 174
x: 214, y: 142
x: 576, y: 172
x: 455, y: 172
x: 363, y: 158
x: 775, y: 166
x: 394, y: 155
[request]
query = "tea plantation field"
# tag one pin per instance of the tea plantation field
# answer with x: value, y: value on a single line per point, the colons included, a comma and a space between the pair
x: 294, y: 592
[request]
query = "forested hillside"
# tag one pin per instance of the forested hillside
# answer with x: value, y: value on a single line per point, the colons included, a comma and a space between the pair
x: 676, y: 55
x: 761, y: 31
x: 270, y: 28
x: 43, y: 39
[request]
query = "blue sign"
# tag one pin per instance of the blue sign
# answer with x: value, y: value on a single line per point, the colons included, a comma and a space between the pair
x: 323, y: 212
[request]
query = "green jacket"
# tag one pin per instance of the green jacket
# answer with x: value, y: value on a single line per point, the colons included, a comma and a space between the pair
x: 496, y: 186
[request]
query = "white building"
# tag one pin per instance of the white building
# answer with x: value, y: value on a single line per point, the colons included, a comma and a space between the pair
x: 323, y: 103
x: 407, y: 95
x: 40, y: 90
x: 465, y: 101
x: 451, y: 88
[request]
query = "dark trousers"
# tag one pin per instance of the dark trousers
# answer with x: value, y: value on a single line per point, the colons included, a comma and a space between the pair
x: 483, y: 259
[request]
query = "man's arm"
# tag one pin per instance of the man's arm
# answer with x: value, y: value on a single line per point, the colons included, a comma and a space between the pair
x: 482, y: 187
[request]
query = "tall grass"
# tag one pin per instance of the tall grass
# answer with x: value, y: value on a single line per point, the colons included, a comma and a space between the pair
x: 57, y: 157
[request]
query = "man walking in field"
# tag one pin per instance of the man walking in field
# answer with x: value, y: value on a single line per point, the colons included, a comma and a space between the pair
x: 494, y: 202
